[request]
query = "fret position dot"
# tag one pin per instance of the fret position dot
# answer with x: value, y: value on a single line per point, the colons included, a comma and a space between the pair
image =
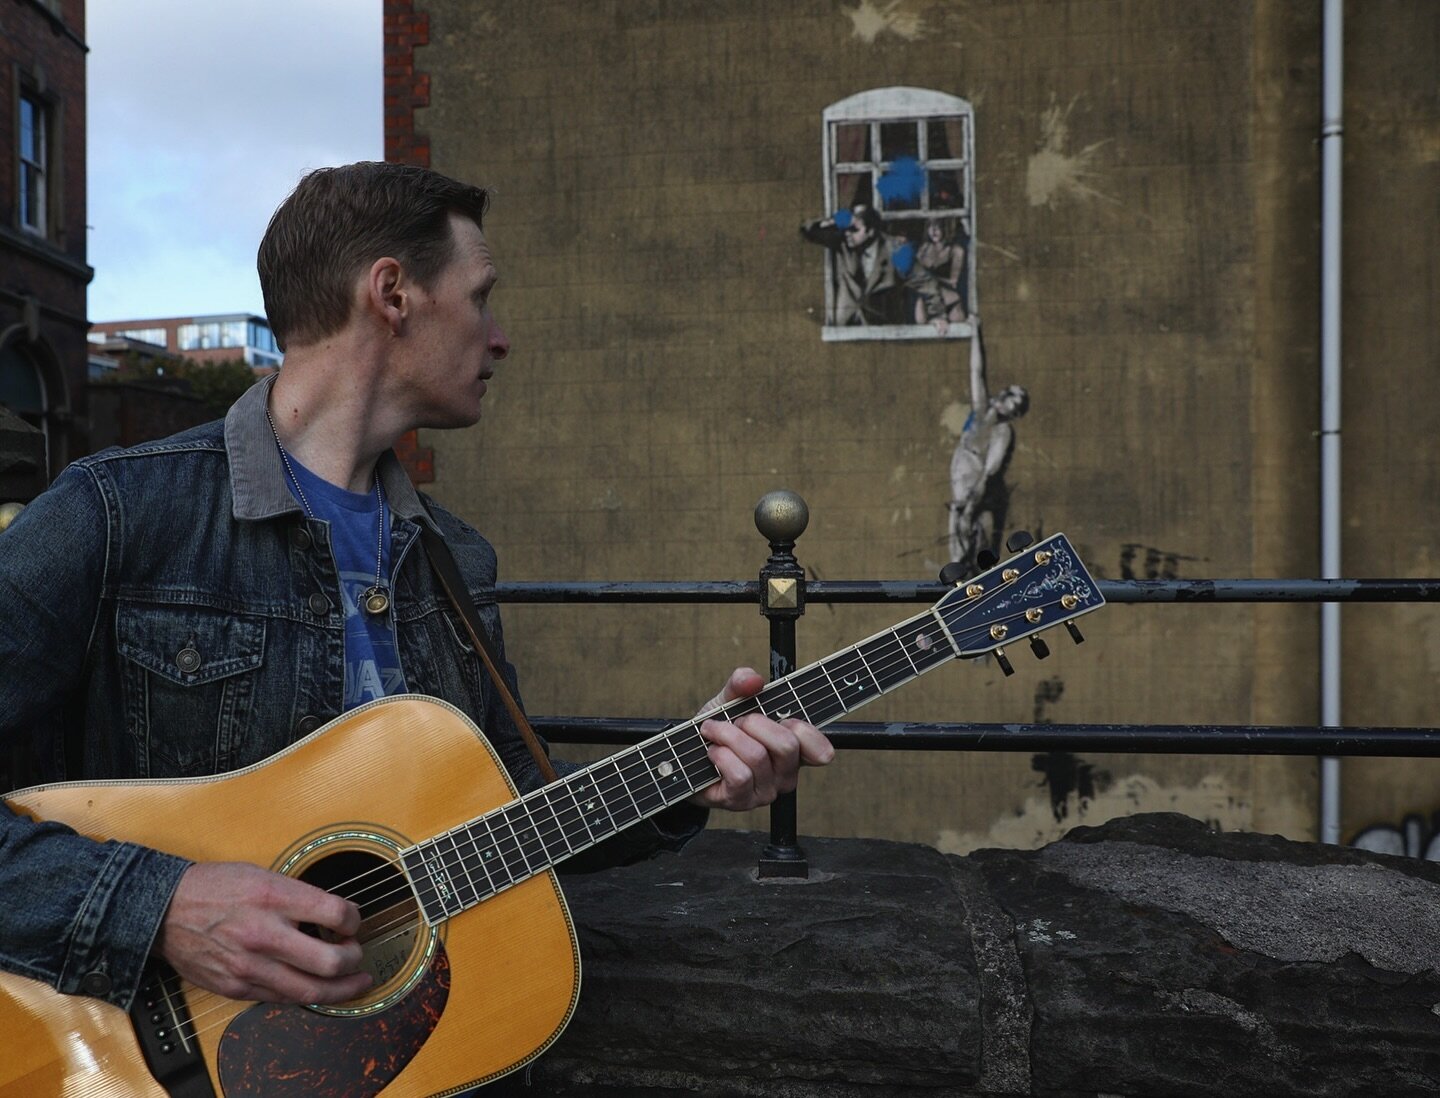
x: 666, y: 769
x: 923, y: 641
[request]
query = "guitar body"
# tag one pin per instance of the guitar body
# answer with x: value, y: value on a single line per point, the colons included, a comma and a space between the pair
x: 481, y: 994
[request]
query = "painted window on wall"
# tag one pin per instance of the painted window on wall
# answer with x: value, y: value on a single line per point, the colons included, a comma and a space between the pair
x: 899, y: 237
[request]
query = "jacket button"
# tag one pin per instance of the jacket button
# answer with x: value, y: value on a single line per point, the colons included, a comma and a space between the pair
x: 300, y: 538
x: 188, y: 660
x: 95, y: 983
x: 307, y: 724
x: 319, y: 605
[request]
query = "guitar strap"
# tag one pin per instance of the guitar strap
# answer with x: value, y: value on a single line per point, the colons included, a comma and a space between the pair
x: 443, y: 561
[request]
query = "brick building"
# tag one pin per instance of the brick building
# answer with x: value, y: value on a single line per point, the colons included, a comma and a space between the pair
x: 1126, y: 193
x: 43, y: 272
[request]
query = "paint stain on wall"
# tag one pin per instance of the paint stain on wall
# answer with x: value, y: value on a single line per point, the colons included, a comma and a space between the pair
x: 1047, y: 693
x: 871, y: 20
x: 1069, y: 778
x: 1146, y: 562
x: 1034, y: 823
x: 953, y: 417
x: 1053, y: 173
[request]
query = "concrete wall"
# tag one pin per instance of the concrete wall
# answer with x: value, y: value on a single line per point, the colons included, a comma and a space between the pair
x: 1146, y: 202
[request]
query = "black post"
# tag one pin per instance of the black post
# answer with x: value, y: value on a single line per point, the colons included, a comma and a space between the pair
x: 782, y: 517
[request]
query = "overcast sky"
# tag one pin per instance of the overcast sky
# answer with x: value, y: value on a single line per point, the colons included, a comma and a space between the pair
x: 201, y: 118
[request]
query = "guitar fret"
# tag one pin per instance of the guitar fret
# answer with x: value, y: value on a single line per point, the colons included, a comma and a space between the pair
x: 694, y: 758
x: 643, y: 784
x: 601, y: 826
x: 886, y: 661
x: 469, y: 831
x: 547, y: 795
x: 507, y: 847
x: 856, y: 684
x: 438, y: 876
x: 926, y: 645
x: 665, y: 771
x: 611, y: 783
x: 427, y: 893
x: 465, y: 889
x: 517, y: 815
x: 569, y: 785
x: 776, y: 709
x: 734, y: 710
x: 537, y: 827
x: 819, y: 699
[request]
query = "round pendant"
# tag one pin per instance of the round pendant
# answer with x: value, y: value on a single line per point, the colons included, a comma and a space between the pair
x: 377, y: 600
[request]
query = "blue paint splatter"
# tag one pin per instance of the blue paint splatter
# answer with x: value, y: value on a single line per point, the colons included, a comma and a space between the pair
x: 904, y: 182
x: 904, y: 257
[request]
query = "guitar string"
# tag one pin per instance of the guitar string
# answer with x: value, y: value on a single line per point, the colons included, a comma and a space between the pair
x: 697, y: 747
x: 462, y: 861
x: 199, y: 998
x: 625, y: 770
x: 823, y: 685
x: 618, y: 779
x: 223, y: 1004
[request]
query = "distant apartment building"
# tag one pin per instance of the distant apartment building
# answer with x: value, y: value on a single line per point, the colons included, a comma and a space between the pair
x: 43, y: 270
x: 203, y: 338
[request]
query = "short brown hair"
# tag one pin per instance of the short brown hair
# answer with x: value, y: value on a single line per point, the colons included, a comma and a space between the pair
x: 337, y: 222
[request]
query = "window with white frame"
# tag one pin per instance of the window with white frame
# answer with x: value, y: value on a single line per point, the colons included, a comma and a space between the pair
x: 900, y: 240
x: 34, y: 159
x: 156, y: 336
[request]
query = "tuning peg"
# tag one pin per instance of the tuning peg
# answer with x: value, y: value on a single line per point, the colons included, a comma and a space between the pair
x: 1018, y: 540
x: 954, y: 573
x: 1004, y: 662
x: 1039, y: 647
x: 986, y: 559
x: 1075, y: 634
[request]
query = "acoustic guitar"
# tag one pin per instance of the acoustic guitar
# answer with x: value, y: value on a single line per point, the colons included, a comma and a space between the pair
x: 465, y: 930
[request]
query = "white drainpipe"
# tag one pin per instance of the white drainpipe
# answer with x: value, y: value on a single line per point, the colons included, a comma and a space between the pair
x: 1331, y: 144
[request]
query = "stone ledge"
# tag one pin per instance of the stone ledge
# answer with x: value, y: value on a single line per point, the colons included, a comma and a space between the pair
x: 1149, y: 956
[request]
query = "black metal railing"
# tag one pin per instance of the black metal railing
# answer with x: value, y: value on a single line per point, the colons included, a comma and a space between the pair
x: 782, y: 593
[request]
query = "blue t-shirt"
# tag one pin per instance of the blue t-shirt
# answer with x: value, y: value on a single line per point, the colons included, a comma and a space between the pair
x: 372, y: 662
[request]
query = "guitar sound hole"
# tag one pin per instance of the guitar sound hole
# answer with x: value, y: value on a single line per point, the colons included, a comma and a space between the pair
x: 390, y: 920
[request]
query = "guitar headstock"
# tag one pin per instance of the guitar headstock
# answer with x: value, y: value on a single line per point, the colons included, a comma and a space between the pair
x: 1039, y: 588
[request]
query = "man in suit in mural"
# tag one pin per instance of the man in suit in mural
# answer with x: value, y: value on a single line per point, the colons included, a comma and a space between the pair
x: 979, y: 495
x: 870, y: 265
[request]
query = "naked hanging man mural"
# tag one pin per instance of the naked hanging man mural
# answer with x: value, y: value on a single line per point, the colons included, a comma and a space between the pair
x: 979, y: 496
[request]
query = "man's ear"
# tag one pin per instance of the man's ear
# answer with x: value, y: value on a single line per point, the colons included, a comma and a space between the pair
x: 387, y: 293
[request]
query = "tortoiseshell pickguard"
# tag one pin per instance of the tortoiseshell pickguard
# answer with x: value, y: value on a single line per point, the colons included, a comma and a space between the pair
x: 279, y: 1051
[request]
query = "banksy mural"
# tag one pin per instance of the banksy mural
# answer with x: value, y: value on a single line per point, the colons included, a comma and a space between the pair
x: 979, y: 495
x: 899, y: 244
x: 900, y: 264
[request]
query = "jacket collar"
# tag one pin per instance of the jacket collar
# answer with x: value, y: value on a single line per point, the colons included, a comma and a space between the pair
x: 257, y: 475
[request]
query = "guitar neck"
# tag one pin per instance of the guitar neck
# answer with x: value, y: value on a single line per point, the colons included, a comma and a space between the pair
x: 472, y: 862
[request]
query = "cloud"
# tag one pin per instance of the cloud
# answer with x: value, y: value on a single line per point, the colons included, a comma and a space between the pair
x: 200, y: 119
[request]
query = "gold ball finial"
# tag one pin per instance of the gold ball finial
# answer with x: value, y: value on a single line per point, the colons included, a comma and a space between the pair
x: 9, y: 512
x: 781, y: 516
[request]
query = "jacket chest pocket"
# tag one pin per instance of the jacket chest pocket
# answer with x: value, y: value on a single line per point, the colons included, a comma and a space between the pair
x: 189, y: 683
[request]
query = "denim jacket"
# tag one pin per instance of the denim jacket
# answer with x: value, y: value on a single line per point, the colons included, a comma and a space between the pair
x: 171, y: 608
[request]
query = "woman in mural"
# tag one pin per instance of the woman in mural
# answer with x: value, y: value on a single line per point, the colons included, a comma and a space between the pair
x: 936, y: 279
x: 979, y: 495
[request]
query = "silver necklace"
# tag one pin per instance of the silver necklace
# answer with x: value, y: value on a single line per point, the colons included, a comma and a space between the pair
x: 375, y: 599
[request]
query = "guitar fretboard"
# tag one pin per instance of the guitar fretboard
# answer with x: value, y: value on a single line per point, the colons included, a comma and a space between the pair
x: 472, y: 862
